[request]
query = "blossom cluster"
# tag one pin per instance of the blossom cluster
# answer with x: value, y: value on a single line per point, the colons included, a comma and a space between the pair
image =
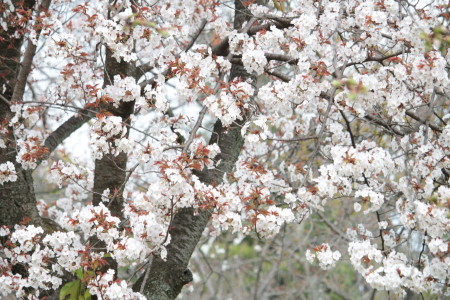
x: 27, y: 248
x: 325, y: 256
x: 124, y: 89
x: 392, y: 271
x: 7, y: 172
x: 105, y: 287
x: 109, y: 135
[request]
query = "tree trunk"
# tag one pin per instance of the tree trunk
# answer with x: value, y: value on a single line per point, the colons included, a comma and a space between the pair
x: 17, y: 199
x: 110, y: 170
x: 166, y: 278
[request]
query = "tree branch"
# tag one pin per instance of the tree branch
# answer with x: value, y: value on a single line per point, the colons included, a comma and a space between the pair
x: 66, y: 129
x: 30, y: 51
x: 417, y: 118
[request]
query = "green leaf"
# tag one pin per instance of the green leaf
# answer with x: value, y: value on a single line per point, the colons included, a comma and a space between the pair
x: 162, y: 32
x: 351, y: 82
x: 143, y: 22
x: 352, y: 96
x: 80, y: 273
x: 336, y: 83
x: 91, y: 273
x: 87, y: 295
x: 71, y: 289
x: 65, y: 290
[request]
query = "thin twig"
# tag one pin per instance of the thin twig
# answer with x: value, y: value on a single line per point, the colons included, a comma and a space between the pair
x: 201, y: 115
x: 423, y: 249
x: 294, y: 139
x: 196, y: 35
x: 147, y: 273
x: 319, y: 136
x: 333, y: 227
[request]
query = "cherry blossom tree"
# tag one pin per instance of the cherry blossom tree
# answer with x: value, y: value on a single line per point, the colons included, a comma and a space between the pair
x: 206, y: 116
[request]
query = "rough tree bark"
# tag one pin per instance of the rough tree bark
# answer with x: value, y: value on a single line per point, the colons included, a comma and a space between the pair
x: 17, y: 199
x: 110, y: 171
x: 165, y: 279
